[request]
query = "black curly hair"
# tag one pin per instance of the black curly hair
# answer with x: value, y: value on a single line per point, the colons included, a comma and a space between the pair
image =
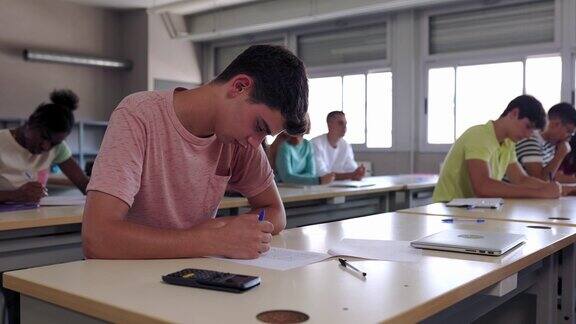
x: 56, y: 116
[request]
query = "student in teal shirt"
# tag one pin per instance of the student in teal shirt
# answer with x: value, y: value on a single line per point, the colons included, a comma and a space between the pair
x: 295, y: 163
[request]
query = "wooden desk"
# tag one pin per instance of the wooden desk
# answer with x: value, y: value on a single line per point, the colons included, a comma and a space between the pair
x: 307, y: 205
x: 442, y: 286
x: 543, y: 211
x: 539, y: 212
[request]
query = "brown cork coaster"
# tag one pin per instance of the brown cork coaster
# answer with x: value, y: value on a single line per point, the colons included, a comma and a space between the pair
x: 282, y: 316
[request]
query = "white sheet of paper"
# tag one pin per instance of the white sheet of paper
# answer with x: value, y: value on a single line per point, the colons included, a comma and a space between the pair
x: 283, y: 259
x: 63, y: 200
x: 351, y: 184
x: 476, y: 202
x: 399, y: 251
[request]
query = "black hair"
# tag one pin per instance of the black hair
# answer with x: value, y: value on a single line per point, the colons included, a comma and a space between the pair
x: 334, y: 114
x: 56, y: 116
x: 280, y: 82
x: 563, y: 111
x: 528, y: 107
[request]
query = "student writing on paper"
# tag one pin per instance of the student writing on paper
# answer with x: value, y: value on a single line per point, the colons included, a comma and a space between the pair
x: 333, y: 153
x: 567, y: 169
x: 483, y: 154
x: 27, y: 152
x: 168, y: 156
x: 542, y: 153
x: 295, y: 162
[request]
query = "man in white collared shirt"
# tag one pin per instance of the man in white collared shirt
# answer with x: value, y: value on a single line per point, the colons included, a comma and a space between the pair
x: 333, y: 154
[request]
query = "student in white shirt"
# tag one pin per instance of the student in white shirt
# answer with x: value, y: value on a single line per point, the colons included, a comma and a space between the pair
x: 333, y: 154
x: 27, y: 152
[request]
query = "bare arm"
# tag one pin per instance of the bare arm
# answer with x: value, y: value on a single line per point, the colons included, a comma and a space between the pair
x: 270, y: 200
x: 565, y: 178
x: 73, y: 171
x: 107, y: 235
x: 484, y: 186
x: 357, y: 174
x: 517, y: 176
x: 30, y: 192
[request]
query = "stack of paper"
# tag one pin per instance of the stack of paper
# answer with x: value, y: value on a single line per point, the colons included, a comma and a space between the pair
x: 476, y: 202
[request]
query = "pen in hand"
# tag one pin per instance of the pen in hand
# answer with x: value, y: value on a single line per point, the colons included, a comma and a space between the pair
x: 261, y: 214
x: 345, y: 264
x: 31, y: 179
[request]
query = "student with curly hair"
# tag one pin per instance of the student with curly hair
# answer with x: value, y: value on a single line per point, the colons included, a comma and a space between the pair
x: 27, y: 152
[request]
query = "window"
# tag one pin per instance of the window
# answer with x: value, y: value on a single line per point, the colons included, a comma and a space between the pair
x: 462, y: 96
x: 366, y: 99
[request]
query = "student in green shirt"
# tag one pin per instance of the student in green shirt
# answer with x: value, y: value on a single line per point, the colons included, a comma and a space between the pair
x: 482, y: 155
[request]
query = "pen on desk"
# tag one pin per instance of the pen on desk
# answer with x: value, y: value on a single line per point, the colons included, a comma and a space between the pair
x: 455, y: 220
x: 261, y: 214
x: 345, y: 264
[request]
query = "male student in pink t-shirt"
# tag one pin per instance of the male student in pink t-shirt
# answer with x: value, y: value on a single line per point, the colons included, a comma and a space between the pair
x: 168, y: 156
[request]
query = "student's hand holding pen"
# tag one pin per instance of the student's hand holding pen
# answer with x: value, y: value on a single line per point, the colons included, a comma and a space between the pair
x: 243, y: 237
x: 552, y: 190
x: 30, y: 192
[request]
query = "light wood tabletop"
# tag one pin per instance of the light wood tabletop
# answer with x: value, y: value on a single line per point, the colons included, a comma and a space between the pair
x: 291, y: 193
x: 40, y: 217
x: 132, y: 291
x: 546, y: 211
x: 51, y: 216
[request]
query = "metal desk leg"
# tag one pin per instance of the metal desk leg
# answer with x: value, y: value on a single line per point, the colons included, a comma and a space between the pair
x: 546, y: 292
x: 567, y: 293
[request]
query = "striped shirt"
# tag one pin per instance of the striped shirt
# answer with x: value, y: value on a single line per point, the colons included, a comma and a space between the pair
x: 535, y: 150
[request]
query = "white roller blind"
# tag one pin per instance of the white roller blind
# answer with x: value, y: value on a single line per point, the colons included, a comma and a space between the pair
x: 344, y: 45
x: 497, y: 27
x: 224, y: 55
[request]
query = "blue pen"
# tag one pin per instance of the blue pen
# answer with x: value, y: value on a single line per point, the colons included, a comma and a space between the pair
x: 261, y: 214
x: 452, y: 220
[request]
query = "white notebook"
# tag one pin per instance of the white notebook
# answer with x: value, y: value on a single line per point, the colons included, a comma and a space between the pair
x: 351, y: 184
x: 476, y: 202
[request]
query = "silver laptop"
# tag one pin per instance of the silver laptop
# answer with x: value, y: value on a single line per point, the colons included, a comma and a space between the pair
x: 476, y: 242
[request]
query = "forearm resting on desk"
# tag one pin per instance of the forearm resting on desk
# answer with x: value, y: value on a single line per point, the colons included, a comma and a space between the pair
x: 106, y: 235
x: 6, y: 196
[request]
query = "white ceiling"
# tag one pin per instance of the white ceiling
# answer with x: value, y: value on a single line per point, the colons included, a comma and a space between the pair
x: 123, y: 4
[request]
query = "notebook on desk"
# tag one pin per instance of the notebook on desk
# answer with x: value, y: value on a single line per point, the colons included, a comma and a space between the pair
x: 476, y: 202
x: 475, y: 242
x: 351, y: 184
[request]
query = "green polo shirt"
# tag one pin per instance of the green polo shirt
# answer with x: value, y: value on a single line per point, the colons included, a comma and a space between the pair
x: 477, y: 143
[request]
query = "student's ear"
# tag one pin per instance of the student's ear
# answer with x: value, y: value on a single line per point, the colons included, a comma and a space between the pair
x: 240, y: 85
x: 514, y: 113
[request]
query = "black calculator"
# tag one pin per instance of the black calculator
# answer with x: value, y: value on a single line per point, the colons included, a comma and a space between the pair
x: 215, y: 280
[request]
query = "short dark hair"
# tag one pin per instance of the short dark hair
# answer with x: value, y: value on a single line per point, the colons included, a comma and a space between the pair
x: 280, y: 82
x: 56, y: 116
x: 333, y: 114
x: 528, y: 107
x: 563, y: 111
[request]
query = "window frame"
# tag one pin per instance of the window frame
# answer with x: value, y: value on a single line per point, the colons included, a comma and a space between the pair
x: 476, y: 57
x: 351, y: 71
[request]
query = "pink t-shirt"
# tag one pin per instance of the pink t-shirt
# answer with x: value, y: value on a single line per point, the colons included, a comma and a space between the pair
x: 169, y: 177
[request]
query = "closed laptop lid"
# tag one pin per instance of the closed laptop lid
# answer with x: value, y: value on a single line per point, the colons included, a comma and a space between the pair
x: 470, y: 241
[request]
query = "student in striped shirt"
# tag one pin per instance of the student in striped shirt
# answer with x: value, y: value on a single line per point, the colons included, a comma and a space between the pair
x: 542, y: 154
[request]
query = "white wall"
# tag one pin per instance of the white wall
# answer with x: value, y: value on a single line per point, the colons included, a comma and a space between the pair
x: 58, y: 26
x: 169, y: 59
